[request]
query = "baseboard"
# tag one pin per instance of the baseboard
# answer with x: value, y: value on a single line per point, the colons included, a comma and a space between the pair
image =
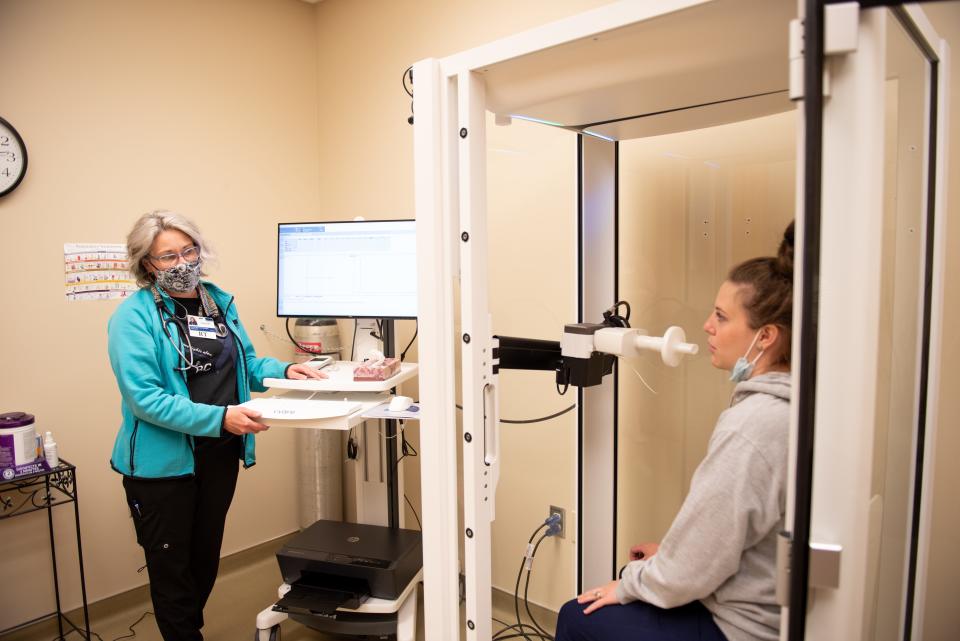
x: 138, y: 598
x: 503, y: 602
x: 242, y: 558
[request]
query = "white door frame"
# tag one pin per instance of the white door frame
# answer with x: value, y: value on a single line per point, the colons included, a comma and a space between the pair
x: 846, y: 338
x: 449, y: 92
x: 450, y: 185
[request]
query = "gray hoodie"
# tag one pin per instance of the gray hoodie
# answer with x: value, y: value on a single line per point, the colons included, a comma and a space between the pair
x: 721, y: 548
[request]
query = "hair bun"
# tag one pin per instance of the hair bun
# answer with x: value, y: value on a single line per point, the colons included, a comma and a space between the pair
x: 785, y: 253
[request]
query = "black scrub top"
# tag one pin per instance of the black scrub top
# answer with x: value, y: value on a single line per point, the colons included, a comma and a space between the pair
x: 212, y: 378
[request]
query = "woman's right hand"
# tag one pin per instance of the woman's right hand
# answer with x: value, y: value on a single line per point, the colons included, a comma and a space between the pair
x: 242, y: 420
x: 643, y: 551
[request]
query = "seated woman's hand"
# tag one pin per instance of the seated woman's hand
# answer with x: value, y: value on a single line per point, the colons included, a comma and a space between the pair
x: 599, y: 597
x: 643, y: 551
x: 301, y: 371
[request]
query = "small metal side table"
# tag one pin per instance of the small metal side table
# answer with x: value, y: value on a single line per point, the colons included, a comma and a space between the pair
x: 43, y: 491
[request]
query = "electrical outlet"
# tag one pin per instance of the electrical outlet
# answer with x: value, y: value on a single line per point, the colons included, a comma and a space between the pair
x: 563, y: 519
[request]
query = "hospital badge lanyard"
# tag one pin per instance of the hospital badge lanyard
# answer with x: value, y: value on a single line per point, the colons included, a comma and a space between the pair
x: 213, y: 325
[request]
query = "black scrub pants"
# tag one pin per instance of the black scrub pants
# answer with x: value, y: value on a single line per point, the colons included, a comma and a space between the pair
x: 179, y: 524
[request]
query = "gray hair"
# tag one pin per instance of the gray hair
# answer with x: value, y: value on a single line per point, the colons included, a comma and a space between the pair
x: 145, y: 231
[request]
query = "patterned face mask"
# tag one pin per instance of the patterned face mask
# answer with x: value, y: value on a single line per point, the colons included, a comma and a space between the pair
x: 182, y: 278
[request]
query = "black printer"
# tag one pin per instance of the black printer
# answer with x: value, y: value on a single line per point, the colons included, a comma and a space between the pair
x: 333, y: 565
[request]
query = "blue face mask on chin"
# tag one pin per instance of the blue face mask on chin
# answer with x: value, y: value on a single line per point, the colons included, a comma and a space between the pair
x: 742, y: 368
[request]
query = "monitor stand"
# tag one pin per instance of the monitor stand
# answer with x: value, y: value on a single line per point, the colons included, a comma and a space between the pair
x: 366, y: 340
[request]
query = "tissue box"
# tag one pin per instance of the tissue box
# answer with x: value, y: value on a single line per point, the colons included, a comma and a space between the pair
x: 381, y: 371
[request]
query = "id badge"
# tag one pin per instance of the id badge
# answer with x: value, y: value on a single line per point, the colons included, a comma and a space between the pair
x: 201, y: 327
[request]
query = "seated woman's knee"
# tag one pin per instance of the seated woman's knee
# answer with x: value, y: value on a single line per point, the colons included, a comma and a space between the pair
x: 569, y: 618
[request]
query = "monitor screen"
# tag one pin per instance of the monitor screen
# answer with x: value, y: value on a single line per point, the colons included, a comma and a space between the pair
x: 350, y: 269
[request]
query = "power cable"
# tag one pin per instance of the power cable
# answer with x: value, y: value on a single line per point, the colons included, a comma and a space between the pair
x: 527, y: 563
x: 301, y: 346
x: 537, y: 420
x: 408, y: 87
x: 133, y: 632
x: 414, y: 510
x: 527, y: 421
x: 524, y: 635
x: 416, y: 329
x: 520, y: 629
x: 516, y: 591
x: 611, y: 316
x: 353, y: 345
x: 131, y: 627
x: 526, y: 588
x: 408, y: 73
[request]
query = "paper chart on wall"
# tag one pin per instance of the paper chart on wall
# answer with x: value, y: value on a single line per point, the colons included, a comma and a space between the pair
x: 96, y: 271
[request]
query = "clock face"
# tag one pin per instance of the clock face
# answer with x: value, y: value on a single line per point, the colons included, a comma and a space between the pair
x: 13, y: 158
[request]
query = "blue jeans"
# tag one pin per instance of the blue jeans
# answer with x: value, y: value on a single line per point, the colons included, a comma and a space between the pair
x: 637, y: 621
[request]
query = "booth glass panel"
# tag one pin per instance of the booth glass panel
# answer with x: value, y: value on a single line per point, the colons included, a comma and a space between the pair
x: 692, y: 205
x: 900, y: 327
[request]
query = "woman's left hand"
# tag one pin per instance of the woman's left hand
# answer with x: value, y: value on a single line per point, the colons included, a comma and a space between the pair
x: 300, y: 371
x: 599, y: 597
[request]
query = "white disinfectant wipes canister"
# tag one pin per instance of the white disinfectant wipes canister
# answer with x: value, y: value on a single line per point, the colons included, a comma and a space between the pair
x: 18, y: 439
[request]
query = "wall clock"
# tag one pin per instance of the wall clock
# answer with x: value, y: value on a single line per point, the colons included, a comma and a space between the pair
x: 13, y: 158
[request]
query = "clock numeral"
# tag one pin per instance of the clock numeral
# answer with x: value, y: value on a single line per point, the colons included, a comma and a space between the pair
x: 4, y: 141
x: 6, y: 172
x: 11, y: 156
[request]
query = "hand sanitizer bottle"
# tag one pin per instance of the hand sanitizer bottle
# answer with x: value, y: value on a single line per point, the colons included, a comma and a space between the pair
x: 50, y: 450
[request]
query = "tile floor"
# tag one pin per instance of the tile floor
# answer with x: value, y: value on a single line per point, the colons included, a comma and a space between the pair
x: 247, y: 584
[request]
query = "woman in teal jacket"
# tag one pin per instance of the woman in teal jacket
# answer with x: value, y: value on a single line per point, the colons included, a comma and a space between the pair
x: 184, y: 364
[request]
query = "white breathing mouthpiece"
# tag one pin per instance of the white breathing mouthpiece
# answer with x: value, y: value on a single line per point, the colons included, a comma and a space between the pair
x: 627, y: 342
x: 672, y: 345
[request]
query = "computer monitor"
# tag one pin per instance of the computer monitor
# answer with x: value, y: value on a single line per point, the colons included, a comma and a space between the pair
x: 347, y: 269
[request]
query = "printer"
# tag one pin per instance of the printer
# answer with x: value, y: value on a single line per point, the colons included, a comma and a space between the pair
x: 333, y: 566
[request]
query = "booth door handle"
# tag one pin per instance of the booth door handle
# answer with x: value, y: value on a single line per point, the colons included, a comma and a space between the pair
x: 491, y: 426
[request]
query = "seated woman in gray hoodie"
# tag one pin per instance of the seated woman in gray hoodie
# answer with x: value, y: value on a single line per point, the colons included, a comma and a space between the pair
x: 712, y: 577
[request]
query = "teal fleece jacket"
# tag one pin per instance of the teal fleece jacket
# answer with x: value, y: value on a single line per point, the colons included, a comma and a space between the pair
x: 159, y: 420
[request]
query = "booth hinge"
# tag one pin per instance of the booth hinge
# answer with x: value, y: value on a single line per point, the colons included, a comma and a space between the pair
x: 823, y: 570
x: 784, y: 562
x: 841, y: 33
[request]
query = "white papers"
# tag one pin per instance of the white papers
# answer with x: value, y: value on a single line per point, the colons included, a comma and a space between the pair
x: 279, y: 411
x: 96, y: 271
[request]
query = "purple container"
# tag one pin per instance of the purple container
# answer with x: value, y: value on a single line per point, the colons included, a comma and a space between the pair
x: 15, y: 419
x: 18, y: 441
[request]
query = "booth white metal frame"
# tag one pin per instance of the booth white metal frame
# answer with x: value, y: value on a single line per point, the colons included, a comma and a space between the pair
x: 631, y: 69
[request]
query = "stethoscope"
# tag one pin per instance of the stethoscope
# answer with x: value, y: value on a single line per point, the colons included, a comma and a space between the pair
x: 166, y: 317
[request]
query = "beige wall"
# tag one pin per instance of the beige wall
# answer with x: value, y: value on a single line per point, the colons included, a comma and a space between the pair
x: 531, y: 179
x: 204, y: 107
x: 242, y: 113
